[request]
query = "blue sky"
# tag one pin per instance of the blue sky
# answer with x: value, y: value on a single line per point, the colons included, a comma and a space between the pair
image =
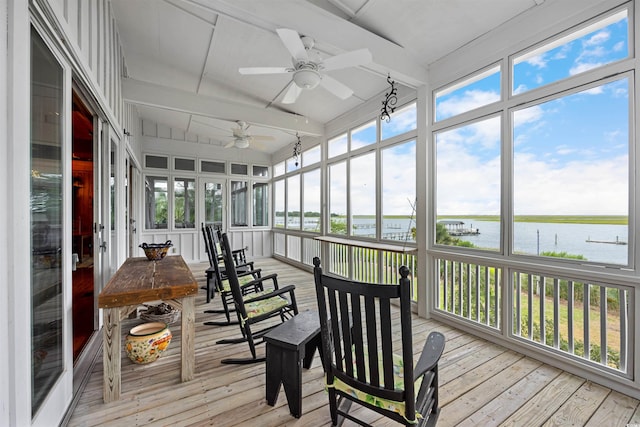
x: 570, y: 154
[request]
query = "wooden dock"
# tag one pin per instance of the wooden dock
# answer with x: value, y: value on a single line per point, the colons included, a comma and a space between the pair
x: 481, y: 384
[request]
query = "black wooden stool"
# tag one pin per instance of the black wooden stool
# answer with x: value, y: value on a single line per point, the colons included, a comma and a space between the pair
x: 290, y: 346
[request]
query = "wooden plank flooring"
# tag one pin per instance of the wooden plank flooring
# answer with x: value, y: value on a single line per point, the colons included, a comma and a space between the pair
x: 481, y: 384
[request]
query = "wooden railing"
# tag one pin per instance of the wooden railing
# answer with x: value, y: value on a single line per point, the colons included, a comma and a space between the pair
x: 587, y: 322
x: 371, y: 262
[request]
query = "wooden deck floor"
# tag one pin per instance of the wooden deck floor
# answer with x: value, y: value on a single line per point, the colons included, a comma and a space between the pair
x: 481, y: 384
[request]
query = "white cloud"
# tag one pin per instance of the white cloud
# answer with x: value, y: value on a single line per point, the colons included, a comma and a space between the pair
x: 538, y: 61
x: 598, y: 38
x: 470, y: 100
x: 584, y: 66
x: 594, y: 187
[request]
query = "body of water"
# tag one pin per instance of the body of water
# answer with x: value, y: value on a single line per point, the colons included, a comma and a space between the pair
x: 595, y: 242
x: 533, y: 238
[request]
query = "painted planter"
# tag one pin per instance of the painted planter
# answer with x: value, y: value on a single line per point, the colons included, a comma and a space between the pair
x: 146, y: 342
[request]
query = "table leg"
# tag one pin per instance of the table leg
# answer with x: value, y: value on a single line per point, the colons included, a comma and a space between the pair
x: 188, y: 346
x: 273, y: 371
x: 292, y: 379
x: 111, y: 334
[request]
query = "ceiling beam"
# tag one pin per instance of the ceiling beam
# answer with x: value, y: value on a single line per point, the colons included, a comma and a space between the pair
x: 326, y: 28
x: 153, y: 95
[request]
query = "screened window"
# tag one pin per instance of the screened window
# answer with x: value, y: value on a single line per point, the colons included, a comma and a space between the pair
x: 338, y: 145
x: 260, y: 204
x: 184, y: 202
x: 338, y: 198
x: 184, y: 164
x: 476, y: 91
x: 364, y: 135
x: 213, y: 204
x: 402, y: 120
x: 592, y: 46
x: 399, y: 192
x: 262, y: 171
x: 468, y: 170
x: 156, y: 202
x: 156, y: 162
x: 311, y: 201
x: 293, y: 202
x: 278, y: 169
x: 279, y: 203
x: 363, y: 195
x: 212, y: 167
x: 311, y: 156
x: 571, y: 160
x: 239, y: 169
x: 293, y: 164
x: 239, y: 203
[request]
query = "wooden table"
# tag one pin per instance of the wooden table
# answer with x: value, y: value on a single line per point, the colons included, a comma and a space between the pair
x: 290, y: 347
x: 137, y: 281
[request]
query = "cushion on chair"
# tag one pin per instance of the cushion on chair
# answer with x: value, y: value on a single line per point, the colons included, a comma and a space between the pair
x: 242, y: 279
x: 398, y: 382
x: 257, y: 308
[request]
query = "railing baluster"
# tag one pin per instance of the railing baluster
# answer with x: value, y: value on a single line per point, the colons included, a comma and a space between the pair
x: 570, y: 302
x: 460, y: 288
x: 530, y: 306
x: 603, y: 325
x: 477, y: 293
x: 518, y: 295
x: 468, y: 295
x: 487, y: 296
x: 586, y: 299
x: 542, y: 291
x: 556, y: 313
x: 622, y: 302
x: 496, y: 295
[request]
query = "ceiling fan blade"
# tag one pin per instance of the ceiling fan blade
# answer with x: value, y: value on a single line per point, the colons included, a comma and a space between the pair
x: 292, y: 93
x: 262, y: 138
x: 335, y: 87
x: 231, y: 144
x: 264, y: 70
x: 257, y: 145
x: 347, y: 59
x: 291, y: 40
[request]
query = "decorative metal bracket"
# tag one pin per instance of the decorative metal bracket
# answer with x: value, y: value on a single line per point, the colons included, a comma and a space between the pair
x: 391, y: 99
x: 297, y: 149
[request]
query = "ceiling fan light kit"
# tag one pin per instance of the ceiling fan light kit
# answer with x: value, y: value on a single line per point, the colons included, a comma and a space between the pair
x: 306, y: 78
x: 242, y: 143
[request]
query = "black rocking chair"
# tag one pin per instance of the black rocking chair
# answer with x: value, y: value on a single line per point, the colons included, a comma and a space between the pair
x: 216, y: 274
x: 364, y: 360
x: 256, y: 308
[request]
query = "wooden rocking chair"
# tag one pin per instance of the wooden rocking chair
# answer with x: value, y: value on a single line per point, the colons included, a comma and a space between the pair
x: 364, y: 360
x: 216, y: 275
x: 255, y: 308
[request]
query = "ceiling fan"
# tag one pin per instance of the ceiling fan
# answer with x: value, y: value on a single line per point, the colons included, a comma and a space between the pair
x: 308, y: 68
x: 241, y: 138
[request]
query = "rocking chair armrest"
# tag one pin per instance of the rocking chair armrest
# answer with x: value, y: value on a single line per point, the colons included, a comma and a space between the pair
x: 245, y: 264
x: 431, y: 352
x: 257, y: 271
x: 274, y: 293
x: 273, y: 277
